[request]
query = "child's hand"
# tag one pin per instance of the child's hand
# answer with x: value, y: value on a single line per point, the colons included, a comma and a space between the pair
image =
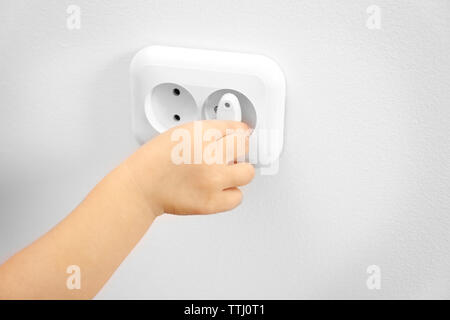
x: 196, y: 188
x: 108, y: 223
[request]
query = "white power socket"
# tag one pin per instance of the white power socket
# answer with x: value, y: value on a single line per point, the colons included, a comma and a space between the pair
x: 172, y: 85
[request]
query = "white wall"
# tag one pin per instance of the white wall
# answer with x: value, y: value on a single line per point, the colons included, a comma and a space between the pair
x: 365, y: 173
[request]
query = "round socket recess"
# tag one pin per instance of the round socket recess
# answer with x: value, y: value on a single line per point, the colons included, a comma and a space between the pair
x: 247, y: 108
x: 169, y: 105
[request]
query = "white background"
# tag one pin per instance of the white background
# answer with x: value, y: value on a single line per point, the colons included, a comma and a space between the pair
x: 364, y: 176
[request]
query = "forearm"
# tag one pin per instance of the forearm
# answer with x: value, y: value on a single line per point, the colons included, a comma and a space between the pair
x: 96, y: 236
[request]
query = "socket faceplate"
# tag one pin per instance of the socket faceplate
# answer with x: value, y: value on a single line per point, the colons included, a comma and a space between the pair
x: 194, y: 76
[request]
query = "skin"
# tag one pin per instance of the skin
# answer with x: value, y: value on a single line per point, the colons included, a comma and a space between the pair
x: 99, y: 234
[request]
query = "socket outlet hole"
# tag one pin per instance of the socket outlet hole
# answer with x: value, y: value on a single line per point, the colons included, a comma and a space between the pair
x: 169, y: 105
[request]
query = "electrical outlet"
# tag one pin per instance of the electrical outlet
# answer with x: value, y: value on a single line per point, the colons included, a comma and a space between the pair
x: 171, y: 86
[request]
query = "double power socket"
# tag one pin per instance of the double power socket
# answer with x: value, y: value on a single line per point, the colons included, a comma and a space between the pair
x: 171, y: 86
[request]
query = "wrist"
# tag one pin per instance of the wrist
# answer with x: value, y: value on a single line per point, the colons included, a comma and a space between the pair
x: 147, y: 201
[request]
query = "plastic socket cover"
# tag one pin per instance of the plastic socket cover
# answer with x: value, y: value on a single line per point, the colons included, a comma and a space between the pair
x: 229, y: 108
x: 172, y: 85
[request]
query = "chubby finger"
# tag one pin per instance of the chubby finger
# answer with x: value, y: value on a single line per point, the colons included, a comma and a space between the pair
x: 228, y: 199
x: 235, y: 146
x: 239, y: 174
